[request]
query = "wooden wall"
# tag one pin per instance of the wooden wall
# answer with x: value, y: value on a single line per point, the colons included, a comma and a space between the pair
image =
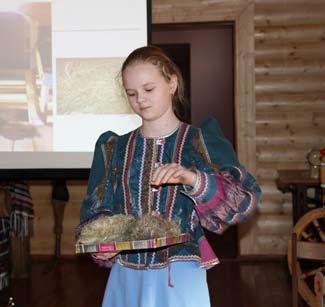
x: 280, y: 123
x: 43, y: 240
x: 290, y: 103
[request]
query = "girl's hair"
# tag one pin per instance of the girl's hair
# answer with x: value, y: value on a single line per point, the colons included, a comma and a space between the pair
x: 167, y: 68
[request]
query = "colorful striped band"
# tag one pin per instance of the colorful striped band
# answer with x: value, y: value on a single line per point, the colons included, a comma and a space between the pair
x: 131, y: 245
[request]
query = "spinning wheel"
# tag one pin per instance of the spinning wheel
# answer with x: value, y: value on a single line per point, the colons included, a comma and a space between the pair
x: 306, y: 253
x: 306, y: 248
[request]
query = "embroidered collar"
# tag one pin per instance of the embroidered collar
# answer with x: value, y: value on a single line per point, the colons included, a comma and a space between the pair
x: 161, y: 136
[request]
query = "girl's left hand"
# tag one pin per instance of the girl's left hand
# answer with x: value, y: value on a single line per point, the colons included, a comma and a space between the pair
x: 173, y: 173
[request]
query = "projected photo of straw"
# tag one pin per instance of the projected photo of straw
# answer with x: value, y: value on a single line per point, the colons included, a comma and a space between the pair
x: 90, y: 86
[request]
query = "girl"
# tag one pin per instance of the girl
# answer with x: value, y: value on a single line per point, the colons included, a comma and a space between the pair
x: 171, y: 169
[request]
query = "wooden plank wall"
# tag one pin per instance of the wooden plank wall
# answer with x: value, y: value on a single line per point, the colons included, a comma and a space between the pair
x: 43, y: 240
x: 290, y: 110
x: 290, y: 103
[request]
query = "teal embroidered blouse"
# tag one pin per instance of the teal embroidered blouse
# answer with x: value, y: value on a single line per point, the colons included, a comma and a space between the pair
x: 119, y: 183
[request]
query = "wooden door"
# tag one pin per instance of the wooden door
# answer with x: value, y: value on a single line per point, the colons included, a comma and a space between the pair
x: 205, y: 54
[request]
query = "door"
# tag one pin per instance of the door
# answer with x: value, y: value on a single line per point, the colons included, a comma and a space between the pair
x: 205, y: 54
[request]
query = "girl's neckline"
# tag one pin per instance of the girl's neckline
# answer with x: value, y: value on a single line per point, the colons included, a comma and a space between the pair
x: 161, y: 136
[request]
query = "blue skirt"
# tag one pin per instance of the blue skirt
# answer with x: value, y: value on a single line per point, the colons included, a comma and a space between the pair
x: 183, y: 284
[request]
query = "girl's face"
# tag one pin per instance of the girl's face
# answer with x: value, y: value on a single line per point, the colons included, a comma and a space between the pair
x: 149, y: 93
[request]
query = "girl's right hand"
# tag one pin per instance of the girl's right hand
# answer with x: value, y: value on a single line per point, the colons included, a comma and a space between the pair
x: 173, y: 173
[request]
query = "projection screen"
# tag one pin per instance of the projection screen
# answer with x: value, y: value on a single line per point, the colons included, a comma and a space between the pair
x: 60, y: 85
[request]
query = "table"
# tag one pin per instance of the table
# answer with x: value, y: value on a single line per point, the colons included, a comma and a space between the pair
x: 298, y: 182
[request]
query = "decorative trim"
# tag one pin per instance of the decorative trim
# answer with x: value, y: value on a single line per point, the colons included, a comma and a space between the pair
x: 129, y: 152
x: 160, y: 160
x: 141, y: 176
x: 201, y: 148
x: 177, y: 155
x: 107, y: 151
x: 205, y: 264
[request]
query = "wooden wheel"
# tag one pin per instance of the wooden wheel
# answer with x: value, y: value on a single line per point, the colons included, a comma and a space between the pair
x: 309, y: 228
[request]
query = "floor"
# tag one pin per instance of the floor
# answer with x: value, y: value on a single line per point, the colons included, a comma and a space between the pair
x: 80, y: 283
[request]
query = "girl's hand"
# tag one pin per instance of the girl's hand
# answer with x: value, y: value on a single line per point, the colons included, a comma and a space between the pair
x: 103, y: 256
x: 173, y: 173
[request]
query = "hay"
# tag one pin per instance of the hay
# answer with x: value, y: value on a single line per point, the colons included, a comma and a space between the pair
x: 150, y: 227
x: 106, y: 229
x: 128, y: 228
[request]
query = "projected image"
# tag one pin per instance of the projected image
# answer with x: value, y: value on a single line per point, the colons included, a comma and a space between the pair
x: 60, y: 87
x: 90, y: 86
x: 25, y: 76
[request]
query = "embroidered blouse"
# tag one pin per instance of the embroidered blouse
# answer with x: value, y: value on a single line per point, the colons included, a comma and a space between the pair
x: 119, y: 183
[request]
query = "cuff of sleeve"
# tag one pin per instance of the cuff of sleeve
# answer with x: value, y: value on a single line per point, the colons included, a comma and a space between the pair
x: 204, y: 188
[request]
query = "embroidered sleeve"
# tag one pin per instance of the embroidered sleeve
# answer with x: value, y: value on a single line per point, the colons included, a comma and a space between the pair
x: 99, y: 198
x: 225, y: 198
x: 225, y: 192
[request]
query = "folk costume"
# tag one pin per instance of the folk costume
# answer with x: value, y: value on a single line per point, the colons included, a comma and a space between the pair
x: 119, y: 183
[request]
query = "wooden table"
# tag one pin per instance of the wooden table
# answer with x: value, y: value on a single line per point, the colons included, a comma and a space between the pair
x: 298, y: 182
